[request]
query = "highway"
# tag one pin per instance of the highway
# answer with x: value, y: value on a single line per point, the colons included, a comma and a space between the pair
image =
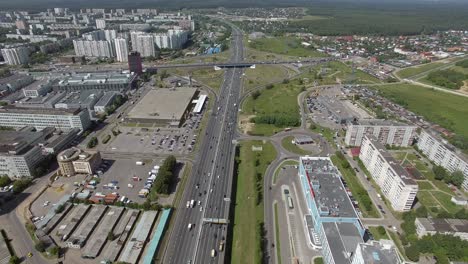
x: 211, y: 179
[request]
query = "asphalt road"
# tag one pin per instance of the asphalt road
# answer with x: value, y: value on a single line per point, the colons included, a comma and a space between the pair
x: 211, y: 179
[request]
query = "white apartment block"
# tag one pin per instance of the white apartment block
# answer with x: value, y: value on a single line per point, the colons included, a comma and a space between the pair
x: 145, y: 45
x: 432, y: 226
x: 100, y: 23
x: 64, y: 120
x: 394, y: 181
x: 443, y: 154
x: 16, y: 56
x: 121, y: 49
x: 387, y: 132
x: 91, y: 48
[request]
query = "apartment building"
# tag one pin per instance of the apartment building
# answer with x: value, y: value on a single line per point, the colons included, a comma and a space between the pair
x: 94, y: 48
x: 100, y: 23
x: 386, y: 131
x: 439, y: 151
x: 145, y: 45
x: 62, y: 119
x: 394, y: 181
x: 121, y: 49
x: 432, y: 226
x: 16, y: 56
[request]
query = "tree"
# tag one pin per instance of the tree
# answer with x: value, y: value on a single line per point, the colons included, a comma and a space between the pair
x: 40, y: 246
x: 111, y: 236
x: 412, y: 252
x: 60, y: 208
x: 14, y: 260
x: 457, y: 178
x: 269, y: 86
x: 54, y: 251
x: 20, y: 185
x: 256, y: 94
x: 421, y: 212
x: 4, y: 180
x: 439, y: 172
x: 92, y: 142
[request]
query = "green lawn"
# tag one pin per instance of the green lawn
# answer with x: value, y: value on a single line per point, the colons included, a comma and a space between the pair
x: 248, y: 207
x: 447, y: 110
x: 326, y: 132
x: 356, y: 188
x: 264, y: 74
x: 289, y: 146
x: 279, y: 100
x: 424, y: 185
x: 207, y: 76
x: 285, y: 45
x: 318, y: 260
x: 411, y: 71
x: 277, y: 233
x: 378, y: 232
x: 444, y: 199
x: 335, y: 70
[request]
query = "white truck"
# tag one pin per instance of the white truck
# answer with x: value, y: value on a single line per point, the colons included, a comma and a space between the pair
x: 141, y: 163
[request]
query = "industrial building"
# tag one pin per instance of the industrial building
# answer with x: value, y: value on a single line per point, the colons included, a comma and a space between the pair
x: 394, y: 181
x: 303, y: 140
x: 432, y: 226
x: 335, y: 109
x: 106, y: 100
x: 47, y: 101
x: 37, y: 88
x: 61, y: 119
x: 134, y: 247
x: 377, y: 252
x: 75, y: 161
x: 163, y: 106
x: 334, y: 218
x: 439, y: 151
x: 13, y: 83
x: 99, y: 237
x: 386, y: 131
x: 112, y: 81
x: 71, y: 221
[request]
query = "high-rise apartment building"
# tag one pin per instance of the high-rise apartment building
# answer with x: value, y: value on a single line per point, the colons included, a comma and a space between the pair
x: 16, y: 56
x: 145, y: 45
x: 92, y: 48
x: 121, y: 49
x: 100, y: 23
x: 439, y: 151
x: 386, y: 131
x: 394, y: 181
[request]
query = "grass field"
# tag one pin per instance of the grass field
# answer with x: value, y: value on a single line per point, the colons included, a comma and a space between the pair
x: 447, y: 110
x: 207, y: 76
x: 411, y: 71
x: 248, y: 209
x: 277, y: 233
x: 264, y: 74
x: 378, y: 235
x: 339, y: 70
x: 281, y: 99
x: 424, y: 185
x: 284, y: 45
x: 289, y: 146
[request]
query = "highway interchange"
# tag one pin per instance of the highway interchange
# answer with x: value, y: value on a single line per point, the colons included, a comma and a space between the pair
x: 211, y: 179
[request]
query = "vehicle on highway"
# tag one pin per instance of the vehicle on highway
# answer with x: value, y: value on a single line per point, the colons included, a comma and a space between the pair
x: 188, y: 204
x: 221, y: 245
x: 213, y: 253
x: 290, y: 203
x: 189, y: 226
x: 30, y: 254
x: 192, y: 203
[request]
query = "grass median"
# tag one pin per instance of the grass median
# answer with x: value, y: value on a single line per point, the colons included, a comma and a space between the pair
x: 248, y: 231
x: 291, y: 147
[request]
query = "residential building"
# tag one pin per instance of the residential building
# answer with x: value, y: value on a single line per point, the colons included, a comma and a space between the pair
x: 432, y: 226
x: 377, y: 252
x: 439, y: 151
x: 37, y: 88
x: 100, y: 23
x: 394, y: 181
x: 145, y: 45
x: 21, y: 24
x: 75, y: 161
x: 334, y: 219
x: 386, y: 131
x: 93, y: 48
x: 106, y: 81
x: 65, y: 120
x: 134, y: 63
x: 121, y: 49
x: 16, y: 56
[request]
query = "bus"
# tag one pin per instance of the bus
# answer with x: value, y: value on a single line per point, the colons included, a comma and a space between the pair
x: 290, y: 203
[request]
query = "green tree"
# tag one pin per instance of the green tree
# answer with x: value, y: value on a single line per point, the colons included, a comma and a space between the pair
x: 457, y: 178
x: 439, y: 172
x: 4, y: 180
x: 421, y: 212
x: 40, y: 246
x: 256, y: 94
x: 21, y: 185
x: 14, y: 260
x: 92, y: 142
x: 111, y: 236
x: 54, y: 251
x: 412, y: 252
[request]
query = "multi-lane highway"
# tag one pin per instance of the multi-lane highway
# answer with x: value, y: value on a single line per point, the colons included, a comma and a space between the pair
x: 192, y: 239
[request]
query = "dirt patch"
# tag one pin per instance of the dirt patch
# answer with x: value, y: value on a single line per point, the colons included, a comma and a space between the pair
x: 464, y: 88
x: 244, y: 123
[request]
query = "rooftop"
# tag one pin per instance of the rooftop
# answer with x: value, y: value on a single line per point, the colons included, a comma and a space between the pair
x: 343, y: 238
x: 95, y: 78
x: 163, y: 104
x: 329, y: 192
x: 36, y: 85
x: 12, y: 78
x: 106, y: 98
x: 38, y: 111
x: 446, y: 144
x: 394, y: 164
x: 11, y: 140
x: 83, y: 97
x: 379, y: 253
x: 444, y: 225
x: 378, y: 122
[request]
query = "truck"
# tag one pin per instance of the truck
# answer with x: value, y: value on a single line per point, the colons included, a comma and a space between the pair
x: 141, y: 163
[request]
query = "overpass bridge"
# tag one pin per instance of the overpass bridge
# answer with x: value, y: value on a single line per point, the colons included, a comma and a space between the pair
x: 244, y: 64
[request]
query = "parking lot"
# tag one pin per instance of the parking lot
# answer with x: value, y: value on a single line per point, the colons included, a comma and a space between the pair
x: 156, y: 140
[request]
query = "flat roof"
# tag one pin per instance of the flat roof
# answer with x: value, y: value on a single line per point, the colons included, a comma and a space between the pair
x: 329, y: 192
x: 82, y: 97
x: 36, y: 85
x: 165, y: 104
x: 380, y: 122
x: 38, y: 111
x: 11, y: 78
x: 199, y: 103
x: 444, y: 225
x: 104, y: 101
x: 343, y: 239
x: 394, y: 164
x: 302, y: 139
x: 379, y: 253
x: 87, y: 225
x: 95, y: 78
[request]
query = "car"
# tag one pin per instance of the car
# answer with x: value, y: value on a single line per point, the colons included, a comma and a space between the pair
x: 30, y: 254
x: 201, y: 208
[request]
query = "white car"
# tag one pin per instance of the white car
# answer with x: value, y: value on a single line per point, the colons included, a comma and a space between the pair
x: 201, y: 208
